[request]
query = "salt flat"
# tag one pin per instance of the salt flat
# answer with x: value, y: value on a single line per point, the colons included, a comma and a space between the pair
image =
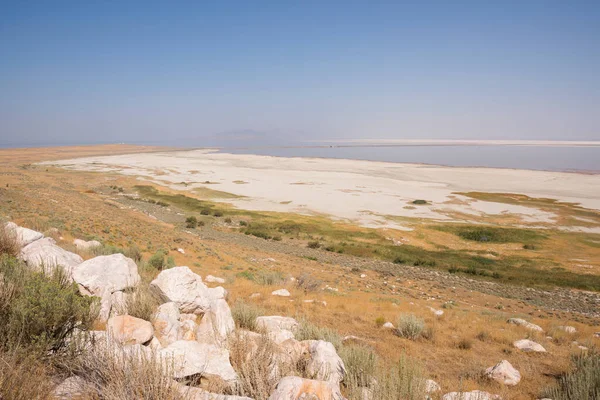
x: 365, y: 192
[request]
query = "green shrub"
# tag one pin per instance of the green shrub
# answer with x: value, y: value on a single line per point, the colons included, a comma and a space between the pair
x: 245, y: 315
x: 360, y: 363
x: 582, y: 383
x: 379, y: 321
x: 313, y: 245
x: 39, y: 309
x: 157, y: 260
x: 227, y: 220
x: 246, y: 275
x: 419, y: 202
x: 205, y: 211
x: 218, y: 213
x: 410, y: 326
x: 308, y: 331
x: 191, y: 222
x: 142, y: 302
x: 243, y: 223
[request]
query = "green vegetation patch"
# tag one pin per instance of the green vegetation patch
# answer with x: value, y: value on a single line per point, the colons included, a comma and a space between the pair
x: 489, y: 234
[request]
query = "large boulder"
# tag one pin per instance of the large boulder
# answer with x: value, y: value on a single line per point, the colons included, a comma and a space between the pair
x: 185, y: 288
x: 166, y: 323
x: 275, y: 323
x: 89, y: 245
x: 504, y: 373
x: 529, y: 345
x: 217, y: 323
x: 44, y: 253
x: 473, y: 395
x: 23, y: 236
x: 103, y: 274
x: 126, y: 329
x: 295, y: 388
x: 525, y: 324
x: 192, y: 358
x: 324, y: 363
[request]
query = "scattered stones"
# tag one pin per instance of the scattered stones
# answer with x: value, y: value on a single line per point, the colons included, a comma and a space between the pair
x: 281, y: 292
x: 45, y: 253
x: 295, y: 388
x: 83, y: 245
x: 214, y: 279
x: 192, y: 358
x: 504, y: 373
x: 185, y: 288
x: 126, y: 330
x: 106, y: 274
x: 526, y: 324
x: 276, y: 323
x: 529, y: 345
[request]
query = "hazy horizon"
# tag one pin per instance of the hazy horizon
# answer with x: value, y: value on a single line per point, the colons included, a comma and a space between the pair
x: 82, y: 73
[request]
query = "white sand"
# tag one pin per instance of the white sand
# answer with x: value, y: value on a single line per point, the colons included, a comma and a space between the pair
x: 360, y: 191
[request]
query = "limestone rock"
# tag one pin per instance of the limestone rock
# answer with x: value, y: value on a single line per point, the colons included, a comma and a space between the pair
x: 432, y: 386
x: 324, y: 364
x: 296, y: 388
x: 73, y: 387
x: 473, y: 395
x: 214, y: 279
x: 188, y: 330
x: 388, y: 325
x: 126, y: 329
x: 24, y: 236
x: 185, y: 288
x: 276, y: 323
x: 44, y: 252
x: 280, y: 336
x: 526, y: 324
x: 504, y: 373
x: 529, y: 345
x: 568, y: 329
x: 191, y: 358
x: 106, y: 274
x: 217, y: 323
x: 83, y: 245
x: 281, y: 292
x: 166, y: 323
x: 195, y: 393
x: 118, y: 301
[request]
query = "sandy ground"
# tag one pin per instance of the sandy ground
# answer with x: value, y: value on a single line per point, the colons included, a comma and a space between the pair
x: 365, y: 192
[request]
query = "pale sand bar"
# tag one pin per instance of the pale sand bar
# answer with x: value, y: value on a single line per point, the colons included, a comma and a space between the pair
x: 364, y: 192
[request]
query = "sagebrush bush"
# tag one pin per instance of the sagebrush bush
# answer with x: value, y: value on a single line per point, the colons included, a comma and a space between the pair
x: 157, y: 260
x: 309, y: 331
x: 361, y: 364
x: 268, y: 278
x: 39, y: 309
x: 308, y: 283
x: 245, y: 315
x: 191, y: 222
x: 410, y: 326
x: 142, y: 302
x: 581, y: 383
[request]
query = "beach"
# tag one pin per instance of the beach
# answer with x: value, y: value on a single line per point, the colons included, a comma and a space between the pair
x: 372, y: 194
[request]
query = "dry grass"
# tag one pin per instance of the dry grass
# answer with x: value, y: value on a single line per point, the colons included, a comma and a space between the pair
x: 142, y: 302
x: 24, y: 377
x: 245, y: 315
x: 8, y: 241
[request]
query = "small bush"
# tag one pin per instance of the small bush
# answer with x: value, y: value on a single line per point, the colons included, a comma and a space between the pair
x: 243, y: 223
x: 582, y: 383
x: 308, y: 283
x: 361, y: 364
x: 142, y: 302
x: 309, y: 331
x: 464, y: 344
x: 379, y: 321
x: 218, y: 213
x: 157, y: 261
x: 245, y: 315
x: 205, y: 211
x: 419, y: 202
x: 410, y: 326
x: 269, y: 278
x: 484, y: 336
x: 246, y: 275
x: 529, y: 246
x: 227, y: 220
x: 313, y: 244
x: 191, y: 222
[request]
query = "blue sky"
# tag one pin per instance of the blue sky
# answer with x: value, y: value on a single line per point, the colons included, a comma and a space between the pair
x: 77, y: 72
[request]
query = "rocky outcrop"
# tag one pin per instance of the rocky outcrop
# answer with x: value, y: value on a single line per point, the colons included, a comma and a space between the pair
x: 192, y: 358
x: 44, y: 253
x: 214, y: 279
x: 166, y: 323
x: 525, y: 324
x: 295, y: 388
x: 529, y: 345
x: 24, y: 236
x: 504, y: 373
x: 216, y: 323
x: 126, y: 329
x: 106, y: 274
x: 185, y: 288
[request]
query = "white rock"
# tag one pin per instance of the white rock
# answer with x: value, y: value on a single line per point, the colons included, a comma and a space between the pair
x: 526, y: 324
x: 363, y: 275
x: 437, y: 313
x: 324, y: 364
x: 217, y: 323
x: 388, y: 325
x: 73, y: 387
x: 105, y: 305
x: 23, y: 236
x: 529, y: 345
x: 106, y: 273
x: 154, y: 344
x: 83, y: 245
x: 118, y: 302
x: 196, y: 393
x: 473, y: 395
x: 254, y: 295
x: 166, y: 323
x: 276, y: 323
x: 296, y: 388
x: 280, y: 336
x: 44, y: 252
x: 568, y: 329
x: 190, y: 358
x: 180, y: 250
x: 597, y: 334
x: 126, y: 329
x: 281, y: 292
x: 432, y: 386
x: 504, y: 373
x: 185, y: 288
x: 214, y: 279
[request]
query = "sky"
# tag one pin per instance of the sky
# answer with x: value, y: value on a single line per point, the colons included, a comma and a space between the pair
x: 188, y: 72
